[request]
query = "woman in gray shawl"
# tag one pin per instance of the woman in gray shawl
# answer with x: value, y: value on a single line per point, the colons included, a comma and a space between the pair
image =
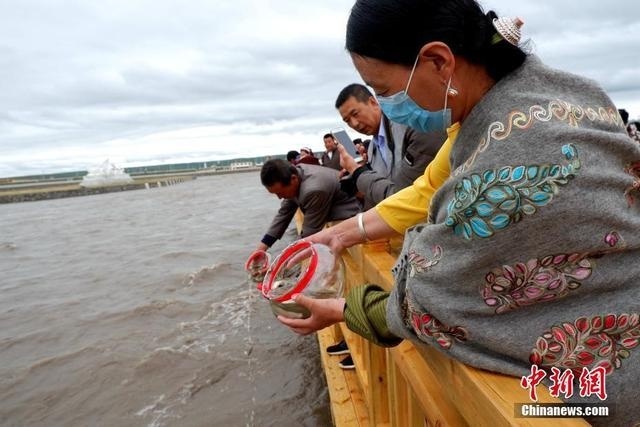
x: 528, y: 254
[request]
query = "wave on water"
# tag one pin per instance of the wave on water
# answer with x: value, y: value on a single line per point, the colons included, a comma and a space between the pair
x: 203, y: 275
x: 192, y: 377
x: 166, y: 308
x: 209, y: 349
x: 8, y: 246
x: 169, y: 308
x: 224, y: 318
x: 177, y: 254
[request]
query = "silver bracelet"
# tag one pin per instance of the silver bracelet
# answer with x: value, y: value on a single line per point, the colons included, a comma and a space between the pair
x: 363, y: 232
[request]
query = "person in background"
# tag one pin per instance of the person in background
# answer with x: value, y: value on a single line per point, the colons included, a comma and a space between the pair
x: 307, y: 157
x: 361, y: 149
x: 633, y: 130
x: 314, y: 190
x: 292, y: 157
x: 331, y: 157
x: 624, y: 115
x: 358, y: 143
x: 397, y: 155
x: 507, y: 262
x: 632, y: 127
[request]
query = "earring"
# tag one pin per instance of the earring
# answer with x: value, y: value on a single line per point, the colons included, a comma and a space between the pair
x: 451, y: 91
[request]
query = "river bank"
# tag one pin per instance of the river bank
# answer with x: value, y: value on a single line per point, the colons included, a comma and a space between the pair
x: 34, y: 190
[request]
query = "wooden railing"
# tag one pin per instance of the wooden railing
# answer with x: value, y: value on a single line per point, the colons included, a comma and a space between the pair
x: 402, y: 387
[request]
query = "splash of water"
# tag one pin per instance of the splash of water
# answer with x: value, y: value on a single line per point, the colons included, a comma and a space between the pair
x: 105, y: 174
x: 249, y: 307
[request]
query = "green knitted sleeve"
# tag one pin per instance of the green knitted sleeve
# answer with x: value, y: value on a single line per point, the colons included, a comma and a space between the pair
x: 365, y: 314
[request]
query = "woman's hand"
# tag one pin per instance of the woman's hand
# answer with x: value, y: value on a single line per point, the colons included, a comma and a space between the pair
x: 330, y: 237
x: 346, y: 233
x: 324, y: 312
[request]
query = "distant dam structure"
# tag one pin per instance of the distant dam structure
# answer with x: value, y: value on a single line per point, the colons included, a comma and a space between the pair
x: 241, y: 165
x: 105, y: 175
x: 108, y: 178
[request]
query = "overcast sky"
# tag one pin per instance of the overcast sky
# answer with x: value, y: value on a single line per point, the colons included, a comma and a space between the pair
x: 161, y: 81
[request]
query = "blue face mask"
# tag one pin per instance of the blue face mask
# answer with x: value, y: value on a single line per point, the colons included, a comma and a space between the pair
x: 400, y: 108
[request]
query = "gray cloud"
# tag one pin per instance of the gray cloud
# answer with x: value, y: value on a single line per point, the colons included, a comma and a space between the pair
x: 160, y: 80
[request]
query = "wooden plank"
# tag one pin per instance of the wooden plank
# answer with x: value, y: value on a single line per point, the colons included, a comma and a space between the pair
x: 356, y: 348
x: 426, y: 386
x: 397, y: 393
x: 355, y: 276
x: 377, y: 269
x: 378, y: 385
x: 485, y: 397
x: 347, y: 404
x: 504, y: 391
x: 415, y: 415
x: 359, y: 402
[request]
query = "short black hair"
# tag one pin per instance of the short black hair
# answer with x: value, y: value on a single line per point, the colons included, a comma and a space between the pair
x: 292, y: 155
x: 328, y: 135
x: 360, y: 92
x: 624, y: 114
x: 277, y: 171
x: 394, y: 31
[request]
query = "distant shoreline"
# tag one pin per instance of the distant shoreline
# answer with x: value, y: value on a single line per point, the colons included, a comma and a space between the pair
x: 34, y: 190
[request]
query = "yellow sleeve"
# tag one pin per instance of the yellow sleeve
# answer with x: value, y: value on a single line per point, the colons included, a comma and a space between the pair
x: 410, y: 205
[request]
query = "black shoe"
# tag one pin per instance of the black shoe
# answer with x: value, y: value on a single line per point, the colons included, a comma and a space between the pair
x: 347, y: 363
x: 340, y: 348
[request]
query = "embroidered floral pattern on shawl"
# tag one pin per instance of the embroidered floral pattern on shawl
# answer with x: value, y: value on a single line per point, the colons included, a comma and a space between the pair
x: 486, y: 203
x: 537, y: 280
x: 601, y: 341
x: 420, y: 263
x: 559, y: 109
x: 634, y: 170
x: 428, y: 327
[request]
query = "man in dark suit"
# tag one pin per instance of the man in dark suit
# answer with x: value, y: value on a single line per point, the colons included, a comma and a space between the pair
x: 313, y: 189
x: 397, y: 154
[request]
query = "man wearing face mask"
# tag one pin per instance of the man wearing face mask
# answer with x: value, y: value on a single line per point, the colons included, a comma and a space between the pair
x: 397, y: 154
